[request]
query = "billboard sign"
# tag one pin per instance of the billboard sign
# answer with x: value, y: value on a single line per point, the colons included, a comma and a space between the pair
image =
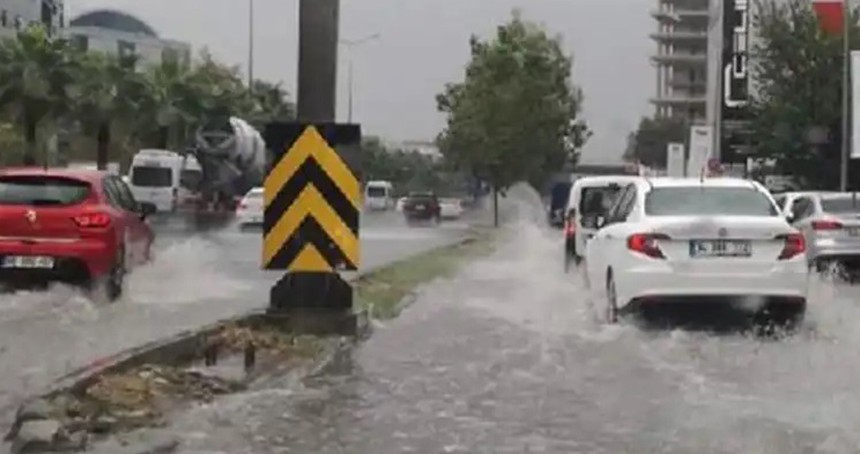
x: 701, y: 143
x: 675, y: 162
x: 735, y: 59
x: 855, y: 104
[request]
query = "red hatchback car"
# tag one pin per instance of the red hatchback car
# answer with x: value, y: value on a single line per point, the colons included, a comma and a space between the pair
x: 74, y: 226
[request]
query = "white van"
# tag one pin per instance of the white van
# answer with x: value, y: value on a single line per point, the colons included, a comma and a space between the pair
x: 589, y: 198
x: 157, y: 176
x: 378, y: 195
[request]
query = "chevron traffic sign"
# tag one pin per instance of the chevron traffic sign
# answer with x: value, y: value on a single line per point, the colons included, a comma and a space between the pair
x: 312, y: 199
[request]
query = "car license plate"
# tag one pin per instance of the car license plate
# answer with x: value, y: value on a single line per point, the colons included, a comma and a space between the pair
x: 28, y: 261
x: 419, y: 207
x: 720, y: 248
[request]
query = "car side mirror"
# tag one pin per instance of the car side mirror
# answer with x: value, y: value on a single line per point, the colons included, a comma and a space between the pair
x: 789, y: 217
x: 600, y: 222
x: 147, y: 209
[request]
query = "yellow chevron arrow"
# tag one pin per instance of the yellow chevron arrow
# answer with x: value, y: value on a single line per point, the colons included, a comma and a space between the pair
x: 310, y: 203
x: 312, y: 144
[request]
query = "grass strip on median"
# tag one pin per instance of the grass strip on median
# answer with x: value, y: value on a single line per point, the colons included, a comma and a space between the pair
x: 386, y: 291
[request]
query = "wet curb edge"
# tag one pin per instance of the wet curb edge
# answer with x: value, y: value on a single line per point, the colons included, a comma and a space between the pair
x: 187, y: 346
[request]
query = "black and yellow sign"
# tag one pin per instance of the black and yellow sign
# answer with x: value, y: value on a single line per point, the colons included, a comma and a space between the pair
x: 312, y: 199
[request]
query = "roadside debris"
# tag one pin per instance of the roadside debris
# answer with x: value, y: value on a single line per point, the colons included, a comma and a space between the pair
x: 142, y: 396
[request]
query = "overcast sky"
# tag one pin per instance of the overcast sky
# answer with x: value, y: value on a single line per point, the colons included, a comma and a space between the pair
x: 422, y: 45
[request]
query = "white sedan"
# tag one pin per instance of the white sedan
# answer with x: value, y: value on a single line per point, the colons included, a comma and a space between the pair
x: 450, y: 208
x: 250, y: 209
x: 666, y: 240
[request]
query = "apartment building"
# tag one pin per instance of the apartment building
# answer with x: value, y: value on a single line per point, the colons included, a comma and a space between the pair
x: 681, y: 59
x: 17, y: 14
x: 118, y: 33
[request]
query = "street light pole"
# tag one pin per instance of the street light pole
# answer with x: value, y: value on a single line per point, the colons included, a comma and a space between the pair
x: 349, y: 114
x: 251, y: 45
x: 350, y: 79
x: 846, y: 99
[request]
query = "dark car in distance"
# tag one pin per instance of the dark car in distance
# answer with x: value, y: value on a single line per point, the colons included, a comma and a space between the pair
x: 422, y: 206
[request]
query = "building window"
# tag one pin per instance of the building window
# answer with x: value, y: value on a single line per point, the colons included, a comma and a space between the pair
x: 47, y: 15
x: 126, y: 49
x: 81, y: 42
x: 19, y: 23
x: 4, y: 18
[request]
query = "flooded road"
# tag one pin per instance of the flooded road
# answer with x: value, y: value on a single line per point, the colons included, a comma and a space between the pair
x: 195, y: 279
x: 508, y: 357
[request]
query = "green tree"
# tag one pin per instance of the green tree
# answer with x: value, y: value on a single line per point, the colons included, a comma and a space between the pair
x: 270, y: 103
x: 108, y: 90
x: 220, y: 91
x: 649, y: 142
x: 172, y: 105
x: 798, y: 80
x: 37, y: 73
x: 516, y: 115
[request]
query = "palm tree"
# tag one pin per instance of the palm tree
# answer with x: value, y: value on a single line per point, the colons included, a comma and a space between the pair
x: 173, y: 103
x: 221, y: 91
x: 36, y: 80
x: 108, y: 90
x: 271, y: 103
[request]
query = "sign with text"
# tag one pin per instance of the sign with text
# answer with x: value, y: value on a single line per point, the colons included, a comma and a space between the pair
x: 675, y: 160
x: 701, y: 143
x: 735, y: 59
x: 855, y: 104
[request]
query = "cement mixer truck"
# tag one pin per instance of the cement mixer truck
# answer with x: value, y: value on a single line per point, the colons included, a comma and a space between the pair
x: 233, y: 159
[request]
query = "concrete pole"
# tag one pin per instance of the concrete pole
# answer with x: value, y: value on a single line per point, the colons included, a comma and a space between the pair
x: 251, y: 45
x: 846, y: 96
x: 319, y: 21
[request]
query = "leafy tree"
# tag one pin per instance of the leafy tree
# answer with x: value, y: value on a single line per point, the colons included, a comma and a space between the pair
x: 36, y: 75
x: 516, y: 115
x: 219, y: 90
x: 46, y: 82
x: 171, y: 103
x: 649, y: 142
x: 408, y: 170
x: 270, y: 103
x: 108, y: 90
x: 798, y: 91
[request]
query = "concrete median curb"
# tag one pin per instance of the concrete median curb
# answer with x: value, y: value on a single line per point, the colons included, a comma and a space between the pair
x: 182, y: 350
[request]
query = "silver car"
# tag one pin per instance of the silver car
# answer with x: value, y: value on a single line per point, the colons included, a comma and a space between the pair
x: 830, y: 223
x: 785, y: 199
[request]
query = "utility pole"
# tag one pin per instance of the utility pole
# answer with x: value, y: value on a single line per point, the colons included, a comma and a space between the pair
x: 318, y: 37
x: 350, y: 44
x: 251, y: 45
x: 846, y: 98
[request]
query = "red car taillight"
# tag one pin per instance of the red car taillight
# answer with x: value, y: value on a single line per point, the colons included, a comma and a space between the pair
x: 795, y: 245
x: 92, y: 220
x: 826, y: 225
x: 646, y: 244
x: 569, y: 229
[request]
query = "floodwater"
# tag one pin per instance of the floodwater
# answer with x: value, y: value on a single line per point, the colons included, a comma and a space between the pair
x: 196, y: 278
x: 510, y: 357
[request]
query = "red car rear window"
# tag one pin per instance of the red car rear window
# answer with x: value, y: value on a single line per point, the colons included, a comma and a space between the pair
x: 42, y: 190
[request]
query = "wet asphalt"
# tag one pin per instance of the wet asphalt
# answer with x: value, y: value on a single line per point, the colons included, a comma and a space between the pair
x: 510, y: 356
x: 195, y: 279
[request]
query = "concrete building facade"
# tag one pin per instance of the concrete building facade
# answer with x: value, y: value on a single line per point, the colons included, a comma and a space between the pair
x: 117, y: 33
x: 17, y: 14
x: 681, y: 59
